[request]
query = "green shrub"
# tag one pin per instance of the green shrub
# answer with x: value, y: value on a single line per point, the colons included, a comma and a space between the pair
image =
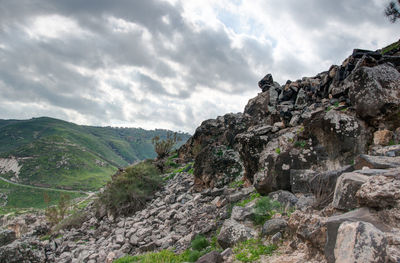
x: 200, y: 243
x: 300, y: 144
x: 130, y: 190
x: 265, y: 208
x: 163, y: 256
x: 278, y: 150
x: 251, y: 250
x: 75, y: 220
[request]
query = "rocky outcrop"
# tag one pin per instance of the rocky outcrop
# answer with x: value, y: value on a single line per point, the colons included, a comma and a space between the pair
x: 320, y: 146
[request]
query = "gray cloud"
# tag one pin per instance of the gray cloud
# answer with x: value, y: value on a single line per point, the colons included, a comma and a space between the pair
x: 155, y: 57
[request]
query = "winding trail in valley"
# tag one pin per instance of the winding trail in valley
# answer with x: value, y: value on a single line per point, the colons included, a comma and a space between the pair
x: 46, y: 188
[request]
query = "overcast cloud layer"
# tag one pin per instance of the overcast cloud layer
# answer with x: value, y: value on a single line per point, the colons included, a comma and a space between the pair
x: 169, y: 64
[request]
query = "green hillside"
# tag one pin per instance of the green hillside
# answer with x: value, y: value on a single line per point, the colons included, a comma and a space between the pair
x: 58, y: 154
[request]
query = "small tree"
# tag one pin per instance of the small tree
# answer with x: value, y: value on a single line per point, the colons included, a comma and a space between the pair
x: 392, y: 11
x: 55, y: 214
x: 164, y: 147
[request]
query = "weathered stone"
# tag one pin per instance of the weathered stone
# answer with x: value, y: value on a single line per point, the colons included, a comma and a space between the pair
x: 273, y: 226
x: 360, y: 242
x: 257, y: 107
x: 389, y: 151
x: 333, y: 223
x: 233, y: 232
x: 372, y: 90
x: 376, y: 162
x: 300, y: 180
x: 346, y: 188
x: 212, y: 257
x: 286, y: 198
x: 309, y: 227
x: 380, y: 192
x: 383, y: 137
x: 242, y: 213
x: 305, y: 201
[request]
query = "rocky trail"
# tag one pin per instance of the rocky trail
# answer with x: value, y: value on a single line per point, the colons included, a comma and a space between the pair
x: 322, y: 153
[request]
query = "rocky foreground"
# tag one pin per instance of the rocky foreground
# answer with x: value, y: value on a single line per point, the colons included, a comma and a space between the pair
x: 326, y: 148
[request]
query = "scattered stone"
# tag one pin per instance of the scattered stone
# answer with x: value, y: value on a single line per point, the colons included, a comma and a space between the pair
x: 233, y: 232
x: 273, y: 226
x: 212, y: 257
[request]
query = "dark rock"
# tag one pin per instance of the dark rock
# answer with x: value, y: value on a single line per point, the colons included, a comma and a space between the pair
x: 266, y: 83
x: 375, y: 92
x: 300, y: 180
x: 336, y: 136
x: 7, y: 237
x: 333, y: 223
x: 216, y: 167
x: 346, y: 188
x: 212, y: 257
x: 257, y: 108
x: 273, y: 226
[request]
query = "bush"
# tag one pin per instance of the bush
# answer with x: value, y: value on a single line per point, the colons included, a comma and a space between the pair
x: 265, y: 208
x: 164, y: 147
x: 131, y: 189
x: 200, y: 243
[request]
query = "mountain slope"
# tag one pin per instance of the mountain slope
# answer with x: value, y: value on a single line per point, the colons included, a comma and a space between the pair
x: 54, y: 153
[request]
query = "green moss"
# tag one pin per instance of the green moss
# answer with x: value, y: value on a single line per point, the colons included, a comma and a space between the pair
x: 300, y: 144
x: 278, y: 150
x: 244, y: 202
x: 391, y: 47
x: 236, y: 184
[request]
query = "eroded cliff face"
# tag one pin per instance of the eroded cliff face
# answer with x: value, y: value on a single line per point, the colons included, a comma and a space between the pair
x: 320, y: 123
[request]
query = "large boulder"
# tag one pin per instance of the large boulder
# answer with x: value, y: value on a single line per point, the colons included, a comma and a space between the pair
x: 333, y: 223
x: 346, y: 188
x: 338, y: 136
x: 273, y: 226
x: 257, y: 108
x: 233, y: 232
x: 380, y: 192
x: 375, y: 92
x: 360, y: 242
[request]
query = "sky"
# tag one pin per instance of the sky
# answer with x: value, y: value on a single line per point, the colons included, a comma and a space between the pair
x: 169, y: 64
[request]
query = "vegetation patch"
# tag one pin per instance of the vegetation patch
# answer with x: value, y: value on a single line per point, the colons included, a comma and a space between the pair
x: 265, y: 208
x: 131, y: 189
x: 251, y: 250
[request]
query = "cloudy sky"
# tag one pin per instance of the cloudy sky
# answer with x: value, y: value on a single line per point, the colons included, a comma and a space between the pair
x: 169, y: 64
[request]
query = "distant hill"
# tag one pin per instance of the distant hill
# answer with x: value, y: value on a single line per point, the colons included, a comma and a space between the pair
x: 58, y: 154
